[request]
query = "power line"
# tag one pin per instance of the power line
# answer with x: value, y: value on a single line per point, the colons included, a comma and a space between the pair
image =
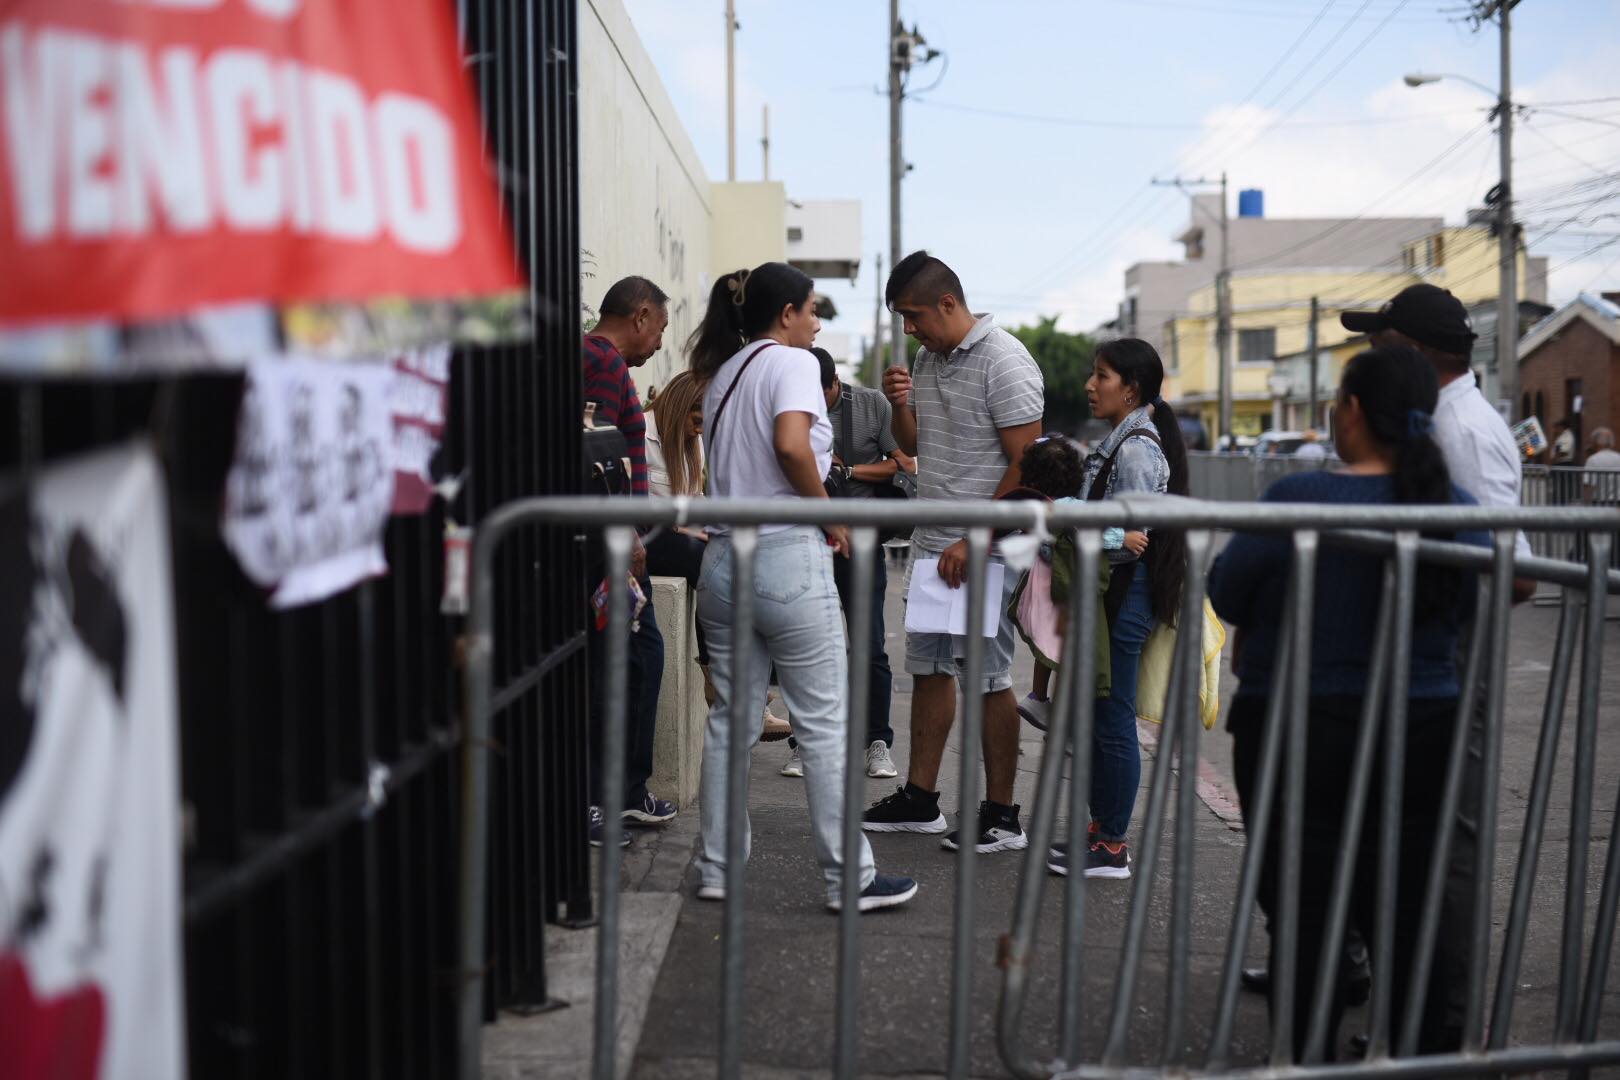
x: 1183, y: 125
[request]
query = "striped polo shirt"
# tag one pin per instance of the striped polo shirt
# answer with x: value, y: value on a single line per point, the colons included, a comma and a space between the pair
x: 988, y: 382
x: 871, y: 433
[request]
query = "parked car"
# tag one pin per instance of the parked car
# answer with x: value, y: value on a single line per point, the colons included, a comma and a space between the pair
x: 1193, y: 432
x: 1277, y: 442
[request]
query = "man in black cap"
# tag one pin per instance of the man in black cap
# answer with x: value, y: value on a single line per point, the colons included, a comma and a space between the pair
x: 1479, y: 449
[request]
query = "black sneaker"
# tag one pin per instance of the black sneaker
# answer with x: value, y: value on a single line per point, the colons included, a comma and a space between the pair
x: 1106, y: 859
x: 998, y: 831
x: 651, y: 810
x: 599, y: 829
x: 904, y: 812
x: 886, y: 890
x: 1057, y: 856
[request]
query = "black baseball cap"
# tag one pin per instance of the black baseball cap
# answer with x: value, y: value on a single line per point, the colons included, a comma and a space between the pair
x: 1425, y: 313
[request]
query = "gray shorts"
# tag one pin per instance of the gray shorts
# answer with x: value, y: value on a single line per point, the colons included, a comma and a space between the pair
x: 942, y: 654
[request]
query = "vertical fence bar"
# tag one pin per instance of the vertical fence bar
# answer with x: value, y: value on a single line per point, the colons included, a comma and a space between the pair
x: 1355, y: 812
x: 1190, y: 646
x: 1580, y: 808
x: 968, y: 816
x: 1285, y: 942
x: 618, y: 539
x: 1535, y: 818
x: 864, y: 549
x: 1489, y: 789
x: 1081, y: 726
x: 1017, y: 947
x: 1389, y: 817
x: 475, y: 809
x: 1257, y: 823
x: 1130, y: 961
x: 744, y: 546
x: 1439, y: 865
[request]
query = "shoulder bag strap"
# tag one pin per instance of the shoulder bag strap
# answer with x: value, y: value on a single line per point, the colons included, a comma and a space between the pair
x: 1100, y: 485
x: 714, y: 421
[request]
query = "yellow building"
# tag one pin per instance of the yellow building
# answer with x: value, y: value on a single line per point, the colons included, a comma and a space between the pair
x: 1271, y: 317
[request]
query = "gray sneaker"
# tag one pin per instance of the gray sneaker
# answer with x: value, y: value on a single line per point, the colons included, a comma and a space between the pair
x: 879, y: 765
x: 1035, y: 711
x: 795, y: 765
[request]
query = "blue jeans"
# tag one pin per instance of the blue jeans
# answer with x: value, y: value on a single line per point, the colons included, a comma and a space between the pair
x: 799, y: 628
x: 1116, y: 757
x: 645, y: 674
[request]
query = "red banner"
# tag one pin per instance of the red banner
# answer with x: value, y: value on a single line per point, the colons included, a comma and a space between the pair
x: 161, y: 155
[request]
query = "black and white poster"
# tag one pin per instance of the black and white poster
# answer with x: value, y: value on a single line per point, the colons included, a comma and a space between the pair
x: 312, y: 484
x: 90, y: 951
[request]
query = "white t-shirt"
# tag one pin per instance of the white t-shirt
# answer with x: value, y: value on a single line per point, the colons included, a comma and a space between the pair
x: 1479, y: 449
x: 741, y: 447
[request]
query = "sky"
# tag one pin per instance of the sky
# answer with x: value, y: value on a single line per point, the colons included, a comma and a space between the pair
x: 1035, y: 136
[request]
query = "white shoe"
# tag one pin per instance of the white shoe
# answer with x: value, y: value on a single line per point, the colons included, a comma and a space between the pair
x: 795, y: 765
x: 711, y: 892
x: 879, y: 765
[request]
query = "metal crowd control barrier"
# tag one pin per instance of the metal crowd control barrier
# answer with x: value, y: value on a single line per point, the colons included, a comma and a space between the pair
x: 1572, y: 1045
x: 1553, y: 486
x: 1243, y: 477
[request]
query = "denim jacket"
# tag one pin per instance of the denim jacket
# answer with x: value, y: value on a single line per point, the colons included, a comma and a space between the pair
x: 1139, y: 466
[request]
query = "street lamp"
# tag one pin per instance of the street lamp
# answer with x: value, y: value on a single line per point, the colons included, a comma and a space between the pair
x: 1502, y: 378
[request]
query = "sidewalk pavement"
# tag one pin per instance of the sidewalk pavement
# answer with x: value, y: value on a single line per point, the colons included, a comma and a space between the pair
x: 791, y: 943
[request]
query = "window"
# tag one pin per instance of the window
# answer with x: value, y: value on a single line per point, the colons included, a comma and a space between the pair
x: 795, y: 234
x: 1257, y: 346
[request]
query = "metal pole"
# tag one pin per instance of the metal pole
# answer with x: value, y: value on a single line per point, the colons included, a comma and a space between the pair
x: 1507, y: 308
x: 731, y: 91
x: 874, y: 373
x: 1310, y: 346
x: 897, y: 165
x: 606, y: 1018
x: 1223, y: 320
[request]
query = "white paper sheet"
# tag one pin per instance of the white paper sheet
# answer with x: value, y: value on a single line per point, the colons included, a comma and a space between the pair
x: 933, y: 607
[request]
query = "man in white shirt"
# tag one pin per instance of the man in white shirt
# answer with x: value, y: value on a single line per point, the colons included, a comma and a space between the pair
x: 1484, y: 461
x: 1478, y: 447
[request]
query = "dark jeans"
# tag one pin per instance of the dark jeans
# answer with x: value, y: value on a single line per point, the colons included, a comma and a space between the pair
x: 646, y: 672
x: 1116, y: 756
x: 1329, y: 751
x: 882, y: 679
x: 677, y: 554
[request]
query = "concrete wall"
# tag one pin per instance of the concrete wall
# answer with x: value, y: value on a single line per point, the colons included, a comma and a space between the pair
x: 644, y: 199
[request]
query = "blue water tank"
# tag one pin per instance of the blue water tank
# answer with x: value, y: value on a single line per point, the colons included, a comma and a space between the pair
x: 1251, y: 203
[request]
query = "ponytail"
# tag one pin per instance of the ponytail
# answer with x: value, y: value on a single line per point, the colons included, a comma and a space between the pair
x: 1139, y: 365
x: 744, y: 305
x: 1398, y: 392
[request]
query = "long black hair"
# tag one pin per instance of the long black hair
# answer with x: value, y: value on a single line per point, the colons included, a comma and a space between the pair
x: 1397, y: 390
x: 1138, y: 365
x: 743, y: 305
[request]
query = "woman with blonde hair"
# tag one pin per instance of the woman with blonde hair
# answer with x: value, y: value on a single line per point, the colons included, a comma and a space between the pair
x: 675, y: 438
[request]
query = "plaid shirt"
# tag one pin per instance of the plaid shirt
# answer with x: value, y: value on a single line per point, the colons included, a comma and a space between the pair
x: 607, y: 382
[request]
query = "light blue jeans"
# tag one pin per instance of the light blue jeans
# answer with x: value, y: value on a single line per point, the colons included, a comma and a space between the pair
x: 798, y: 627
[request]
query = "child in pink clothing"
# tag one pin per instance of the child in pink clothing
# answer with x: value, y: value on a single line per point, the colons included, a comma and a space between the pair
x: 1051, y: 467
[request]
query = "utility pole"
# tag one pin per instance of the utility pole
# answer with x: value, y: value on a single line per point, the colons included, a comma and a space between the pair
x: 1223, y: 299
x: 1507, y: 245
x: 731, y: 90
x: 874, y: 370
x: 1310, y: 347
x: 899, y: 60
x: 903, y: 48
x: 765, y: 142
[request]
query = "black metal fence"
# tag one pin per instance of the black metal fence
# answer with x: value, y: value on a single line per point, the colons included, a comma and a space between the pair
x: 320, y: 765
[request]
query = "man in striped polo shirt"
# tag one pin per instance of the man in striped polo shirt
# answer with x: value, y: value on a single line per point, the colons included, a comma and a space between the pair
x: 634, y: 314
x: 971, y: 404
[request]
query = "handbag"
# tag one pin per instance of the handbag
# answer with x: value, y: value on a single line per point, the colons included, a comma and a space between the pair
x: 838, y: 479
x: 1153, y: 676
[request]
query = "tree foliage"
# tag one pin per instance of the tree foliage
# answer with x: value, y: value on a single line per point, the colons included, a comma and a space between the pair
x: 1065, y: 362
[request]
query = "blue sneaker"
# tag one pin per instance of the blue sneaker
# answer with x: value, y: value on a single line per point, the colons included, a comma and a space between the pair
x: 651, y: 810
x: 599, y: 829
x: 886, y: 890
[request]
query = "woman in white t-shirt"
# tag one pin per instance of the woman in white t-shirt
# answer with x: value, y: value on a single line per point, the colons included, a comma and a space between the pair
x: 766, y: 436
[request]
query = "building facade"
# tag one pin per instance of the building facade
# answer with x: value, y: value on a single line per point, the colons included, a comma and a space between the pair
x: 1569, y: 366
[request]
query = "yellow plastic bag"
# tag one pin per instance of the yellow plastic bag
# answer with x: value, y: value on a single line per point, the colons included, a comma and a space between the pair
x: 1153, y: 673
